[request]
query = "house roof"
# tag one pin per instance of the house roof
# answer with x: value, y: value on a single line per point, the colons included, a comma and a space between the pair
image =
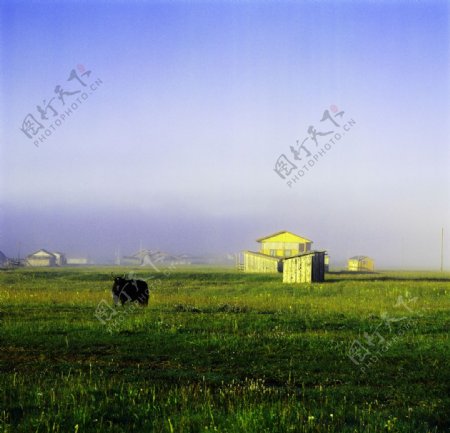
x: 42, y: 251
x: 280, y: 233
x: 266, y: 256
x: 359, y: 258
x: 304, y: 254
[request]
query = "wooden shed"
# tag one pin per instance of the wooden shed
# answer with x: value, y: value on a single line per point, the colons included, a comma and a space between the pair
x: 258, y: 262
x: 361, y: 264
x: 41, y: 258
x: 304, y: 268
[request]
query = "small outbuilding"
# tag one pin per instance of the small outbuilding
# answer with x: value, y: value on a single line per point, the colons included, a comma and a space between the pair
x: 304, y: 268
x: 360, y: 264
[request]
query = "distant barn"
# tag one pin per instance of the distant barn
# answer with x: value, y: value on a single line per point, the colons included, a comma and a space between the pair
x: 41, y: 258
x: 360, y: 264
x: 45, y: 258
x: 304, y: 268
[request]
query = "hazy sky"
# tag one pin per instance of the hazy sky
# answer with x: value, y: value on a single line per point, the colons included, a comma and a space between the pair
x: 176, y: 145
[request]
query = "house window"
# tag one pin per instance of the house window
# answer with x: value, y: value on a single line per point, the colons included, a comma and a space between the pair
x: 272, y: 252
x: 301, y: 248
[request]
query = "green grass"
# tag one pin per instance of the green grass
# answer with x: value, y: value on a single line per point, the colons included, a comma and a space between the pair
x: 223, y: 351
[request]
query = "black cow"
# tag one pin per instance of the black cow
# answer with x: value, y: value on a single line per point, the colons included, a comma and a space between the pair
x: 125, y: 290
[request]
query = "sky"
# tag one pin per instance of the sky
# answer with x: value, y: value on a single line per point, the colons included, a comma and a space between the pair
x: 172, y: 138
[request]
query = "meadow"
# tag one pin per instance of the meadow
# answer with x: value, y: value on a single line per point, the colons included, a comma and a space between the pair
x: 219, y: 350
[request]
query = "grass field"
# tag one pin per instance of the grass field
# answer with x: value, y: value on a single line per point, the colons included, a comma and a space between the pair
x: 223, y: 351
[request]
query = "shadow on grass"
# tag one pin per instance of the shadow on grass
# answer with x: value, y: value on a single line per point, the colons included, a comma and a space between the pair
x: 376, y: 276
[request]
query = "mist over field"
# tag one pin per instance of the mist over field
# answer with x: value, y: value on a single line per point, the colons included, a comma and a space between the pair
x: 98, y: 233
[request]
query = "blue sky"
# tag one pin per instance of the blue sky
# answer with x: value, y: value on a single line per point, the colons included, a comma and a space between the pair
x: 176, y: 147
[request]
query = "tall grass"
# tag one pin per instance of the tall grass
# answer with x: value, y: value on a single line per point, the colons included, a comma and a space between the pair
x: 223, y: 351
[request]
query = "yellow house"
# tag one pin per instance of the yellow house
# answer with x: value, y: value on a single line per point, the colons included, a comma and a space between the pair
x: 273, y: 249
x: 284, y: 244
x: 360, y: 264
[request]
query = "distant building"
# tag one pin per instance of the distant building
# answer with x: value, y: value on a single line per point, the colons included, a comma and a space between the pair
x: 77, y: 261
x: 3, y: 259
x: 273, y: 249
x: 154, y: 259
x: 41, y: 258
x: 304, y: 268
x: 360, y: 264
x: 60, y: 259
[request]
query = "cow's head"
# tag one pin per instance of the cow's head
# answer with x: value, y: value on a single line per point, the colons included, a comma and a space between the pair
x: 119, y: 283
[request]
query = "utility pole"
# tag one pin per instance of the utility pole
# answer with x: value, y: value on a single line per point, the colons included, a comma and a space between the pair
x: 442, y: 249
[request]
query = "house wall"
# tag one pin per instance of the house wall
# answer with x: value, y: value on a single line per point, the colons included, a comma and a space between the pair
x: 327, y: 262
x: 284, y: 249
x: 41, y: 261
x: 298, y: 270
x: 257, y: 263
x: 60, y: 259
x: 77, y: 261
x: 353, y: 265
x: 366, y: 265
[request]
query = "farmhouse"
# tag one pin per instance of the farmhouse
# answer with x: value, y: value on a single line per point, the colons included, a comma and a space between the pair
x: 274, y: 248
x: 284, y: 244
x: 304, y: 268
x: 41, y: 258
x: 360, y: 264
